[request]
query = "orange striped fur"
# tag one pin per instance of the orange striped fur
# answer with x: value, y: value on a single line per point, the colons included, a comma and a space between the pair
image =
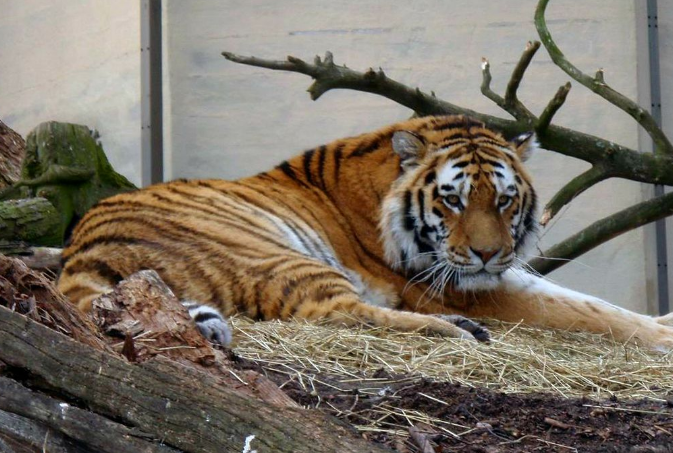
x: 388, y: 228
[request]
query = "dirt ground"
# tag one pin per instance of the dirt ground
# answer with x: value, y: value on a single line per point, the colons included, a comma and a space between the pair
x: 480, y: 420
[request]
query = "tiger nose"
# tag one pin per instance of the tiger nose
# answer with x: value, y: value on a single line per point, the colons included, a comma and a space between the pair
x: 485, y: 255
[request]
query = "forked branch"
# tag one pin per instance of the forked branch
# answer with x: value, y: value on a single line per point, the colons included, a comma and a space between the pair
x: 510, y: 103
x: 597, y: 84
x: 624, y: 162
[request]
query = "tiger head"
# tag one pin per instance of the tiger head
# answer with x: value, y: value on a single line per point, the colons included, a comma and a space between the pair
x: 462, y: 206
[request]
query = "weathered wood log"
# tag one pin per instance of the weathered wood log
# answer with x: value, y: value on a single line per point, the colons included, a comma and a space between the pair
x: 32, y: 294
x: 144, y: 312
x: 187, y: 411
x: 65, y: 164
x: 153, y: 403
x: 39, y: 257
x: 23, y: 435
x: 12, y: 152
x: 90, y: 429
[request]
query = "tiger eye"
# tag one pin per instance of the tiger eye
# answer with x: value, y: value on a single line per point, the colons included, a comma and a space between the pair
x: 503, y: 200
x: 453, y: 200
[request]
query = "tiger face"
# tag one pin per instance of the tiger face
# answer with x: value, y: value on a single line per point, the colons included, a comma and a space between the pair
x: 462, y: 206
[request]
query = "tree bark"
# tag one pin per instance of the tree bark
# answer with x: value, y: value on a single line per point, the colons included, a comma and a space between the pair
x: 12, y: 152
x: 22, y: 435
x: 32, y: 294
x: 95, y: 431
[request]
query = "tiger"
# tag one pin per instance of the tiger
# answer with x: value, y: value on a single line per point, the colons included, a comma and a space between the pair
x: 418, y: 226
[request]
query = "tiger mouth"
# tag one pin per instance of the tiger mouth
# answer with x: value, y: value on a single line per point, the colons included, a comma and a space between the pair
x: 480, y: 280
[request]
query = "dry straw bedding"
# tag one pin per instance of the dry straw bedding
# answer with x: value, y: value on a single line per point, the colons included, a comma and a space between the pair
x: 519, y: 359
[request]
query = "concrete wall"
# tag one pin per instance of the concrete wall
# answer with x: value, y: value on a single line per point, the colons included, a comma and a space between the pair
x: 79, y: 61
x: 76, y: 61
x: 228, y: 120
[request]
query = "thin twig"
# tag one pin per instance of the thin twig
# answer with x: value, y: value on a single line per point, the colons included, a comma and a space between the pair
x: 486, y: 85
x: 554, y: 105
x: 557, y: 424
x: 626, y: 409
x: 516, y: 77
x: 571, y: 190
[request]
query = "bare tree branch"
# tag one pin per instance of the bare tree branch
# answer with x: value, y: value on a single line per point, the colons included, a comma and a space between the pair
x: 571, y: 190
x: 608, y: 159
x: 597, y: 84
x: 624, y: 162
x: 328, y: 76
x: 602, y: 231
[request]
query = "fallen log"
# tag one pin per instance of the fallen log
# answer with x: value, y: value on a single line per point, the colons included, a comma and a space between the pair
x: 39, y: 257
x: 151, y: 404
x: 182, y: 407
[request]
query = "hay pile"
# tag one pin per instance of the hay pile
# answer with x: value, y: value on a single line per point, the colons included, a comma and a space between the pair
x: 519, y: 359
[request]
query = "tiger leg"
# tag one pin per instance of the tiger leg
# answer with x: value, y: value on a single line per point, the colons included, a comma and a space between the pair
x: 308, y: 289
x: 536, y: 301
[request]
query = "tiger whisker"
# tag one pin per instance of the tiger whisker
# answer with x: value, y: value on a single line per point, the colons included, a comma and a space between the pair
x: 438, y: 267
x: 416, y: 279
x: 415, y: 257
x: 567, y: 260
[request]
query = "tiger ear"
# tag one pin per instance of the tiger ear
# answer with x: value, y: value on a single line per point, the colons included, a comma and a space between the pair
x: 409, y: 146
x: 525, y: 144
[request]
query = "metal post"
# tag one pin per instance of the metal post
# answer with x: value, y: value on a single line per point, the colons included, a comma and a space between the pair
x: 655, y: 96
x: 152, y: 166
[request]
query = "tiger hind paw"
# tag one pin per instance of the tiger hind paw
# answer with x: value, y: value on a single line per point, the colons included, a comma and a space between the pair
x: 666, y: 320
x: 210, y: 322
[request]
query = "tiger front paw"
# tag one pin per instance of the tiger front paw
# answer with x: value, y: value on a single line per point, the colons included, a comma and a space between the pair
x: 477, y: 331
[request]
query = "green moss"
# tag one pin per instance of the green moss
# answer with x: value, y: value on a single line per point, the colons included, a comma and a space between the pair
x: 33, y: 220
x: 66, y: 165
